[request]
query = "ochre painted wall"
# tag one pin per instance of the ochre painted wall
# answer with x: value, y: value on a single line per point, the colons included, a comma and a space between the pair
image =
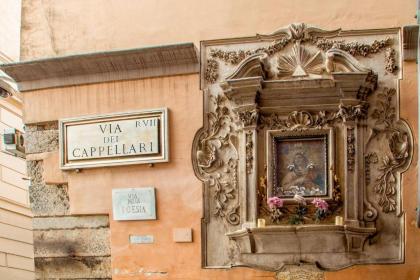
x: 63, y: 27
x: 179, y: 193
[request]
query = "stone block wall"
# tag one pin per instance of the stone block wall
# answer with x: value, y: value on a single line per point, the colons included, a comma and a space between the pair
x: 66, y: 246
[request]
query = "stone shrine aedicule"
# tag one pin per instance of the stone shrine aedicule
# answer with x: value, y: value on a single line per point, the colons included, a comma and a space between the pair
x: 301, y: 129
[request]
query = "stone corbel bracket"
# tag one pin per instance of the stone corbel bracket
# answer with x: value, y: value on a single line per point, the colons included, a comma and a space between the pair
x: 260, y: 247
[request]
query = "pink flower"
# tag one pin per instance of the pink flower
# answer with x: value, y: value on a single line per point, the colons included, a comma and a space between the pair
x: 320, y: 204
x: 275, y: 202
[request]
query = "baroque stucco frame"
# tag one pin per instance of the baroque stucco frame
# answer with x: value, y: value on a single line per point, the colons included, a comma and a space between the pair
x: 239, y: 83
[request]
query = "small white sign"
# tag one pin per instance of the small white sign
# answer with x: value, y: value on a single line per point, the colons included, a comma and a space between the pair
x: 134, y: 204
x: 141, y: 239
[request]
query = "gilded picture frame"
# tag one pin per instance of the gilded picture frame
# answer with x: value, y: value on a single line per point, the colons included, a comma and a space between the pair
x: 300, y: 162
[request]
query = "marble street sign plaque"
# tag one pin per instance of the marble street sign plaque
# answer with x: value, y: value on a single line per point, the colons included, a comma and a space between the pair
x: 114, y: 139
x: 134, y: 204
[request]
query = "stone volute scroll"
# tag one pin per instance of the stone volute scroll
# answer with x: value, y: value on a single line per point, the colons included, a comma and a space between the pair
x: 302, y: 149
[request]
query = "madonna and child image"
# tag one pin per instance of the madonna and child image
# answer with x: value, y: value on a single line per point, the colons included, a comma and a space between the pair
x: 301, y: 167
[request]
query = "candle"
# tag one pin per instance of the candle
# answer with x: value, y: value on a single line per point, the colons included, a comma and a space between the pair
x: 338, y: 220
x: 261, y: 223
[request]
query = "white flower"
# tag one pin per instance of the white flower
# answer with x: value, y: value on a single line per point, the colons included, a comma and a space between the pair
x: 300, y: 199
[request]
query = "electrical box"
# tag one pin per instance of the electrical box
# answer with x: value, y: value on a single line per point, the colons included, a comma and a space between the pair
x: 14, y: 142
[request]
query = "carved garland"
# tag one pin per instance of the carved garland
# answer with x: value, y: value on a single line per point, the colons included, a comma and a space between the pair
x: 249, y: 147
x: 353, y: 48
x: 212, y: 70
x: 351, y: 151
x: 390, y: 61
x: 234, y: 57
x: 304, y: 120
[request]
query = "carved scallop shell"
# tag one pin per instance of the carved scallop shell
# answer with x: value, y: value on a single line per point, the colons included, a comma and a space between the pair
x: 299, y: 119
x: 300, y: 63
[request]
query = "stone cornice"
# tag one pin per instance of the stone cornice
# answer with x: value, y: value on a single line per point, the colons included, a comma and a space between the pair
x: 104, y: 66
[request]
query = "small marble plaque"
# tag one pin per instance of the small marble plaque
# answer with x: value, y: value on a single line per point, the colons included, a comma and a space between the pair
x: 142, y: 239
x: 134, y: 204
x: 182, y: 235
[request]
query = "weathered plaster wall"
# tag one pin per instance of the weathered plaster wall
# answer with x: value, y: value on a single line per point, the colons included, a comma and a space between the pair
x: 61, y: 27
x: 10, y: 28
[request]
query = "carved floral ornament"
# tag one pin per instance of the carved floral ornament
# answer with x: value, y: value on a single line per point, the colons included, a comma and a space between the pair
x: 301, y: 81
x: 220, y: 172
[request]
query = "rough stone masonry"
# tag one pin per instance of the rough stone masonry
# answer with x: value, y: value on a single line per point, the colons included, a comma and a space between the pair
x: 66, y: 246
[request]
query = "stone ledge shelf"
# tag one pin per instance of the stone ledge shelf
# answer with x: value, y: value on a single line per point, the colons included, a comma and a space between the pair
x: 108, y: 66
x: 328, y: 246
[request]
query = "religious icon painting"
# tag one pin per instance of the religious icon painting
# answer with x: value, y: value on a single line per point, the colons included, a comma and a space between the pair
x: 300, y: 164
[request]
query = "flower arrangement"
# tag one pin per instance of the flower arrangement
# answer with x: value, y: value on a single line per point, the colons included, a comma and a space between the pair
x: 321, y: 207
x: 300, y: 211
x: 299, y: 215
x: 275, y: 202
x: 276, y: 205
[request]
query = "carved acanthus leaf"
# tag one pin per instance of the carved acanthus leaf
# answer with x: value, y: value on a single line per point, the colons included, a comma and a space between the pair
x: 399, y: 150
x: 386, y: 182
x: 384, y: 113
x: 249, y: 117
x: 352, y: 112
x: 217, y: 161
